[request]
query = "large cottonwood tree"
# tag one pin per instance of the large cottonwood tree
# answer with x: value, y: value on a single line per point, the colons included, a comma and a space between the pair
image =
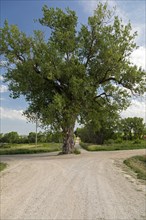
x: 73, y: 71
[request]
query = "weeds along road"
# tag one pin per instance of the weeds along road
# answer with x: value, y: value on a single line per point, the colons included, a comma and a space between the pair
x: 87, y: 186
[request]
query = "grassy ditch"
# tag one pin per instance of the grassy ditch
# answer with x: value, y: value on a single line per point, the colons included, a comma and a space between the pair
x: 29, y: 148
x: 138, y: 165
x: 125, y: 145
x: 2, y: 166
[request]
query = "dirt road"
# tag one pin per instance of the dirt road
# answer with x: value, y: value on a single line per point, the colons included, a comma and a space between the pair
x: 87, y: 186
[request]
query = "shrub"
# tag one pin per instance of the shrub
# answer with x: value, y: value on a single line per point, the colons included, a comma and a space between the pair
x: 118, y: 141
x: 109, y: 141
x: 137, y: 141
x: 76, y: 151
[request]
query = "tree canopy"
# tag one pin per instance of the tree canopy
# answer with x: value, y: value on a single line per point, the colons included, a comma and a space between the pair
x: 73, y: 73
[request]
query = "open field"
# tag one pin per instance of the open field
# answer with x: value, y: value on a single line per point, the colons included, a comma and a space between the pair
x: 138, y: 165
x: 29, y: 148
x: 86, y: 186
x: 125, y: 145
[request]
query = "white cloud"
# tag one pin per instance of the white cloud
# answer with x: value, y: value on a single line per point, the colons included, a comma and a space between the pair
x: 3, y: 63
x: 1, y: 78
x: 2, y: 99
x: 11, y: 114
x: 137, y: 109
x: 3, y: 88
x: 140, y: 29
x: 90, y: 6
x: 138, y: 57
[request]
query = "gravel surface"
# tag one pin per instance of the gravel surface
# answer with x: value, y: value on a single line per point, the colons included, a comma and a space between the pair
x: 87, y: 186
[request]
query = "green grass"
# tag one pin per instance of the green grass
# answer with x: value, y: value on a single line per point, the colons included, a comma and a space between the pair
x: 29, y: 148
x: 125, y: 145
x: 76, y: 151
x: 138, y: 165
x: 2, y: 166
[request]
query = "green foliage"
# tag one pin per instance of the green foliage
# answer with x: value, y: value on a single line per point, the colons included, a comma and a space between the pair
x: 133, y: 128
x: 104, y: 129
x: 137, y: 141
x: 118, y: 141
x: 76, y: 151
x: 31, y: 137
x: 11, y: 137
x: 101, y: 128
x: 109, y: 142
x: 138, y: 165
x: 42, y: 137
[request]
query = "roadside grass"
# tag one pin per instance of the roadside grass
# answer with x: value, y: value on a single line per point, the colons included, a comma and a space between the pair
x: 138, y: 165
x: 2, y: 166
x: 125, y: 145
x: 76, y: 151
x: 29, y: 148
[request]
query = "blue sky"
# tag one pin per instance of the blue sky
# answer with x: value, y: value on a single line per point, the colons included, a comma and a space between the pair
x: 22, y: 13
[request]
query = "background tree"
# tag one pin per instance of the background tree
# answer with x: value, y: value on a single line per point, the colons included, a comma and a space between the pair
x: 138, y: 127
x: 1, y: 137
x: 133, y: 128
x: 31, y: 137
x: 71, y: 73
x: 103, y: 126
x: 23, y: 139
x: 11, y: 137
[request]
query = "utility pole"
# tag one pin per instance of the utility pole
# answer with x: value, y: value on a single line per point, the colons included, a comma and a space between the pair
x: 36, y: 133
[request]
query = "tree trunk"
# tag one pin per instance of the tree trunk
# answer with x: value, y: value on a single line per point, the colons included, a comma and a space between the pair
x: 68, y: 143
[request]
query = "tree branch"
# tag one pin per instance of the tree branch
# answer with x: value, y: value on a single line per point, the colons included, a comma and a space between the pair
x: 20, y: 57
x: 90, y: 49
x: 103, y: 94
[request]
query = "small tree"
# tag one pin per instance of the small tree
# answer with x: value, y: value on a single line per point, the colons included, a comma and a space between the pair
x: 73, y: 71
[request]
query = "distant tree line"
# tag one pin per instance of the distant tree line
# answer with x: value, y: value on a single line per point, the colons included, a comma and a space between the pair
x: 99, y: 130
x: 42, y: 137
x: 111, y: 127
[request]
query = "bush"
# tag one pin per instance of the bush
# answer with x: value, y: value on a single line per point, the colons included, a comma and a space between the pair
x: 137, y: 141
x: 118, y: 141
x: 109, y: 141
x: 76, y: 151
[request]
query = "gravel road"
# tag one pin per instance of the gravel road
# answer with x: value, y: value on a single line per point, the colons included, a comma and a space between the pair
x: 87, y: 186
